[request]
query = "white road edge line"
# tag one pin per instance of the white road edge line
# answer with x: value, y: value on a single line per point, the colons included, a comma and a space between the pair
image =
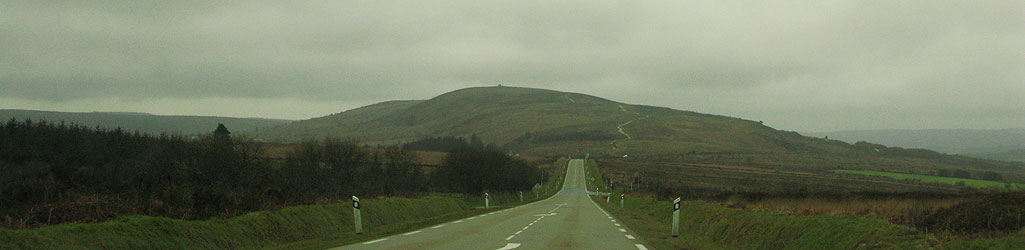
x: 458, y: 221
x: 640, y: 247
x: 412, y: 233
x: 375, y: 241
x: 438, y: 226
x: 509, y: 246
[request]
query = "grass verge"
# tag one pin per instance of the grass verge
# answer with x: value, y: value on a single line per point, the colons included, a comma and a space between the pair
x: 253, y: 230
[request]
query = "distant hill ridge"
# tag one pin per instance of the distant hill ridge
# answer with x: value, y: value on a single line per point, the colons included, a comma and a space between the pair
x: 143, y: 122
x: 1000, y: 144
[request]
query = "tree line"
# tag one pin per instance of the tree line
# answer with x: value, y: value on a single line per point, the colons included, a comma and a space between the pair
x: 55, y: 173
x: 447, y: 144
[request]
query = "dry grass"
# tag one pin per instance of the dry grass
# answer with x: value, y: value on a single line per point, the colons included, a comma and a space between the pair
x: 891, y: 209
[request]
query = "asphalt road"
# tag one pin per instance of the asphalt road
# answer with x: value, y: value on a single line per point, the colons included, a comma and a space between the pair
x: 567, y: 220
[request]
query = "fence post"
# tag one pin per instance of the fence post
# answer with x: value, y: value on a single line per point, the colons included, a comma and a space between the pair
x: 357, y: 217
x: 676, y: 217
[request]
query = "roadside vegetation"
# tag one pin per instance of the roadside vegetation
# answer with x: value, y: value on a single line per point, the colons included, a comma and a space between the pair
x: 125, y: 185
x: 993, y: 220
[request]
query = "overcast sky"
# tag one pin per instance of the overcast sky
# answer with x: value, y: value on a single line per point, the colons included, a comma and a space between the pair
x: 814, y: 66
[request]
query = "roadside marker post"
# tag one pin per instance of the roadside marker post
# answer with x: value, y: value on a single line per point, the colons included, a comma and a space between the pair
x: 486, y: 202
x: 676, y: 217
x: 521, y: 196
x: 621, y: 200
x: 356, y: 216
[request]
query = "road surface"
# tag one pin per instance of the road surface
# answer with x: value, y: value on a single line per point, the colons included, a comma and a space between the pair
x: 567, y: 220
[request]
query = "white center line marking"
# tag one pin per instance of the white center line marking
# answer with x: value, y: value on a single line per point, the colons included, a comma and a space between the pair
x: 630, y: 237
x: 617, y: 224
x: 518, y: 232
x: 525, y: 228
x: 515, y: 245
x: 438, y: 226
x: 411, y: 233
x: 622, y: 230
x: 375, y: 241
x: 640, y: 247
x: 510, y: 237
x: 613, y: 220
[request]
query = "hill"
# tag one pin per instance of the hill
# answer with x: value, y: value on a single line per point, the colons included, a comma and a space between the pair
x: 535, y: 121
x: 552, y: 123
x: 997, y: 144
x: 144, y: 123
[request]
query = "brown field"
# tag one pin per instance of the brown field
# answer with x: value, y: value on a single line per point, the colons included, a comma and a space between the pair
x: 892, y: 209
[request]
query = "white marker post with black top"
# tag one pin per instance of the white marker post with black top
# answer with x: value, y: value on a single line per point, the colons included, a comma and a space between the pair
x: 486, y: 202
x: 676, y: 217
x: 356, y: 216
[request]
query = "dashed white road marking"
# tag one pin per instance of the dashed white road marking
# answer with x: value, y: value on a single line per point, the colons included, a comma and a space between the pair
x: 412, y: 233
x: 438, y: 226
x: 515, y: 245
x: 622, y: 230
x: 640, y: 247
x: 617, y: 224
x: 510, y: 237
x: 375, y: 241
x: 613, y: 220
x: 630, y: 237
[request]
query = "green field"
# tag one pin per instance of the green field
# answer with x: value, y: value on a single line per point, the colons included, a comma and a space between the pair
x: 936, y: 179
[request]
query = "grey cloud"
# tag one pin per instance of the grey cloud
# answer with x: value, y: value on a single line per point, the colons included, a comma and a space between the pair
x: 793, y: 63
